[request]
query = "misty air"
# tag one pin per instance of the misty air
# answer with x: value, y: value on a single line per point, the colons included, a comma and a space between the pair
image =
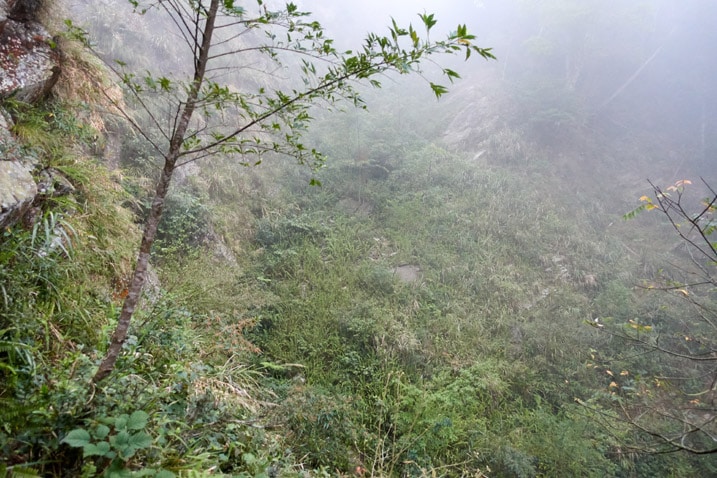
x: 358, y: 239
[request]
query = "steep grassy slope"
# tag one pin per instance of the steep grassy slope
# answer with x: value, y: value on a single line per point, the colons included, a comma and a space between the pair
x: 480, y: 351
x: 426, y: 312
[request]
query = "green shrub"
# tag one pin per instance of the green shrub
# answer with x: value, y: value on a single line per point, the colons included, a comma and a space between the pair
x: 184, y: 225
x: 321, y: 427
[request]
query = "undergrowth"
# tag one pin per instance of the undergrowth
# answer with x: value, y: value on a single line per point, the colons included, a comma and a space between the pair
x: 421, y: 314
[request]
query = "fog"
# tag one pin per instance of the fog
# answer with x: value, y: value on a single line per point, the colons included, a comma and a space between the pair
x: 349, y: 22
x: 614, y: 93
x: 596, y: 83
x: 451, y: 291
x: 618, y: 68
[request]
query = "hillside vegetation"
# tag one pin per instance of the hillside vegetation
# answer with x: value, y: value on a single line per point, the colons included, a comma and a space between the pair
x: 459, y: 297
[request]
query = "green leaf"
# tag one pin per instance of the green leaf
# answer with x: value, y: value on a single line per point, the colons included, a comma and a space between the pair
x: 632, y: 214
x: 137, y: 421
x: 117, y: 470
x: 102, y: 431
x: 428, y: 20
x: 165, y: 83
x: 121, y: 422
x: 414, y: 37
x: 77, y: 438
x: 165, y: 474
x: 140, y: 440
x: 99, y: 449
x: 438, y: 90
x: 451, y: 74
x: 120, y: 441
x: 20, y: 472
x: 145, y: 472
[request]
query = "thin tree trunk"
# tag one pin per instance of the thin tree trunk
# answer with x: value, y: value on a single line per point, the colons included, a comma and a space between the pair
x: 139, y: 276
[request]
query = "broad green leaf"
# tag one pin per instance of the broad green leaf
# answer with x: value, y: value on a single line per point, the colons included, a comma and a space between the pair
x: 102, y: 431
x: 145, y: 472
x: 165, y: 474
x: 117, y: 470
x: 120, y: 441
x: 128, y: 452
x: 138, y: 420
x: 140, y: 440
x: 77, y: 438
x: 121, y: 422
x: 99, y: 449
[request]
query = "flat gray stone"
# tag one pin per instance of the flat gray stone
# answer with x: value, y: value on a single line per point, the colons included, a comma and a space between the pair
x: 17, y: 192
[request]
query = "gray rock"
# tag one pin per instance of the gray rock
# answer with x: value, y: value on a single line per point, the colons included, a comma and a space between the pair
x: 17, y: 192
x: 8, y: 146
x: 408, y: 272
x: 53, y: 183
x: 29, y: 67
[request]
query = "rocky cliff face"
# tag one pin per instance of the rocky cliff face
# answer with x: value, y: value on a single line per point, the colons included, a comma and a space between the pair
x: 17, y: 187
x: 29, y: 67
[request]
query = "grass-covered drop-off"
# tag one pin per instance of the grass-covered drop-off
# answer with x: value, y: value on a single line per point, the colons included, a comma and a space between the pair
x: 454, y: 291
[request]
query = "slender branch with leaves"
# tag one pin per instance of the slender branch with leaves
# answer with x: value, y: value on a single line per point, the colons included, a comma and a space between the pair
x: 209, y: 115
x: 677, y: 408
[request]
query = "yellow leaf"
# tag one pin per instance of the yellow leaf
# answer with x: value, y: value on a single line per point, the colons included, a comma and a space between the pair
x: 609, y: 373
x: 683, y: 292
x: 613, y: 385
x: 624, y: 373
x: 645, y: 198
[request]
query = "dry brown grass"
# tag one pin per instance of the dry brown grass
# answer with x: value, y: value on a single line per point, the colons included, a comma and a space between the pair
x: 85, y: 80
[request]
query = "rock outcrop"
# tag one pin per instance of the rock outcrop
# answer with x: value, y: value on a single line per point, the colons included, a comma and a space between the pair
x: 29, y: 67
x: 17, y: 186
x: 17, y: 192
